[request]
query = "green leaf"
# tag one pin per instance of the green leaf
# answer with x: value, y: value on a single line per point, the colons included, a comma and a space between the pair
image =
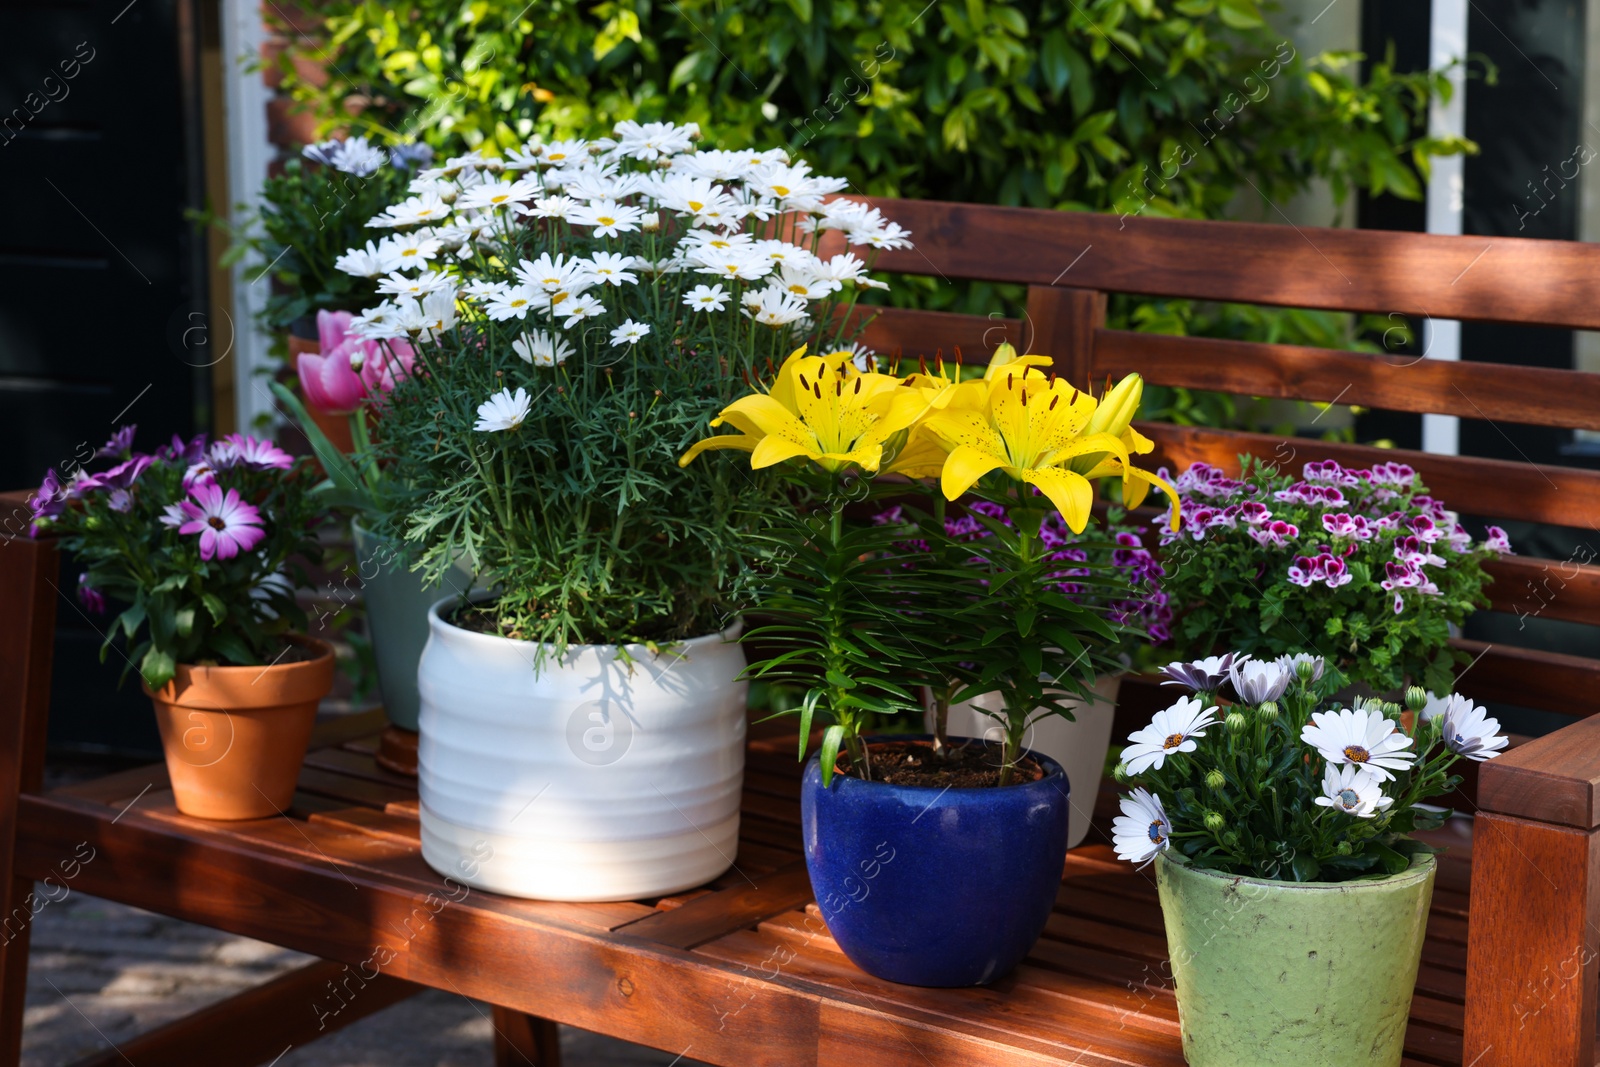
x: 1239, y: 14
x: 832, y: 738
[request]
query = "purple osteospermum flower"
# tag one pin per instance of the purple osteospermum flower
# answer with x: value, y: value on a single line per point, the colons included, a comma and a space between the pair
x: 50, y: 501
x: 226, y: 524
x: 237, y: 449
x: 1201, y: 675
x: 90, y: 596
x: 120, y: 443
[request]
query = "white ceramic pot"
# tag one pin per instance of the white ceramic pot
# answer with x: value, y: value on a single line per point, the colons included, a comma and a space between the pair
x: 583, y: 780
x: 1080, y: 746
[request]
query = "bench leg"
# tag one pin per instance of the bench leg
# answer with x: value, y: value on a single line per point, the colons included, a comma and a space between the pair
x: 1533, y: 944
x: 28, y: 573
x: 522, y: 1040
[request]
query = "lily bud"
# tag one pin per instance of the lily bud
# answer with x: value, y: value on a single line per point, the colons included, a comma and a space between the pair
x: 1117, y: 408
x: 1005, y: 356
x: 1215, y: 780
x: 1235, y: 722
x: 1268, y: 711
x: 1416, y: 698
x: 1214, y: 821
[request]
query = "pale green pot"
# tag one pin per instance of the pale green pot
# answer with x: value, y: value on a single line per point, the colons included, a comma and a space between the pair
x: 397, y: 605
x: 1309, y: 974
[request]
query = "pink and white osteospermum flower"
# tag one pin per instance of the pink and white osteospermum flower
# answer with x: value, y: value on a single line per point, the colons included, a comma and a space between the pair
x: 1361, y: 736
x: 241, y: 450
x: 1169, y: 732
x: 225, y: 523
x: 1143, y: 829
x: 1352, y: 790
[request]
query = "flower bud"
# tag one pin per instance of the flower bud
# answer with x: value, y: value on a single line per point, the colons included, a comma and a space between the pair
x: 1416, y: 698
x: 1235, y: 722
x: 1214, y: 821
x: 1268, y: 711
x: 650, y: 222
x: 1119, y: 774
x: 1230, y: 839
x: 1215, y: 780
x: 1391, y: 710
x: 1262, y: 764
x: 1343, y: 848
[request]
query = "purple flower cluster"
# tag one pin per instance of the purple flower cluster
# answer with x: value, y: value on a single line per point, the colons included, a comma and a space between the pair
x: 1329, y: 518
x: 225, y: 523
x: 1149, y: 610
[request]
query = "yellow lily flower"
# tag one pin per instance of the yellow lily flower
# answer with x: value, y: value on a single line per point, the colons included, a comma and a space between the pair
x: 820, y: 408
x: 1028, y: 426
x: 1114, y: 415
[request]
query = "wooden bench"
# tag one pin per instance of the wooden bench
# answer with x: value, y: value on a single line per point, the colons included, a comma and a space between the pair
x: 743, y: 971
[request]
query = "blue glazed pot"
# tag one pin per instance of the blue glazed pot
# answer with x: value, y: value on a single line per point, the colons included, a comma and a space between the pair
x: 932, y: 887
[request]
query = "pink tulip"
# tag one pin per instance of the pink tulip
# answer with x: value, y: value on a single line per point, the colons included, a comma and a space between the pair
x: 329, y: 384
x: 349, y: 369
x: 385, y: 364
x: 332, y: 327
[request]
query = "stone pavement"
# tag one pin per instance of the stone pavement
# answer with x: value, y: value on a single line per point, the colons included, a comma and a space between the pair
x: 102, y: 972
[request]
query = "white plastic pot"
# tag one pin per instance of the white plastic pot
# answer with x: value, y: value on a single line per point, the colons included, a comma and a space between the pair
x: 585, y: 779
x: 1080, y: 746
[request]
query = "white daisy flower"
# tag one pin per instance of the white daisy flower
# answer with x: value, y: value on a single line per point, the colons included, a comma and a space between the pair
x: 774, y: 307
x: 579, y: 308
x: 629, y: 333
x: 550, y: 207
x: 561, y: 153
x: 804, y: 284
x: 1257, y: 681
x: 1467, y: 729
x: 706, y: 298
x: 1352, y: 790
x: 552, y: 275
x: 608, y: 218
x: 503, y: 411
x: 653, y: 140
x: 428, y: 281
x: 497, y: 194
x: 368, y: 262
x: 512, y: 302
x: 409, y: 251
x: 732, y: 263
x: 542, y: 349
x: 1170, y: 731
x: 1360, y: 736
x: 609, y: 268
x: 412, y: 211
x: 885, y: 235
x: 1142, y: 830
x: 527, y: 157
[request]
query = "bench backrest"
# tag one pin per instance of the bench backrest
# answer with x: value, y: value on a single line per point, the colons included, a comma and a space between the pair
x: 1070, y: 261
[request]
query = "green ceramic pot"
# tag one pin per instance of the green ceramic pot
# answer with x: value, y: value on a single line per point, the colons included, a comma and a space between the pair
x: 1314, y: 974
x: 397, y: 619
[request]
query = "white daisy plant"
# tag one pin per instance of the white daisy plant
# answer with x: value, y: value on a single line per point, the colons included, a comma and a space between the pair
x: 1253, y: 776
x: 605, y: 298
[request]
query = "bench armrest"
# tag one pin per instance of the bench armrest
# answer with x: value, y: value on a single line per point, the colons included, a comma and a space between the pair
x: 1533, y: 942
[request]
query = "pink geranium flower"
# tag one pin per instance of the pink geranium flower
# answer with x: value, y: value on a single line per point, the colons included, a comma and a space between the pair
x: 226, y: 524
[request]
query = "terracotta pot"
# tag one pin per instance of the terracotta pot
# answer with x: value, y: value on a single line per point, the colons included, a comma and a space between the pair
x: 235, y: 736
x: 336, y: 428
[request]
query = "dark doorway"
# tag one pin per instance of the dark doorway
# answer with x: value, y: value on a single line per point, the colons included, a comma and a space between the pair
x: 101, y: 277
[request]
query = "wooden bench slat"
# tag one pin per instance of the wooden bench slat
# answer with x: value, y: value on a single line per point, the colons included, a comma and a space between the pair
x: 1533, y: 588
x: 711, y: 916
x: 1537, y: 396
x: 1489, y: 488
x: 1531, y: 678
x: 1489, y: 279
